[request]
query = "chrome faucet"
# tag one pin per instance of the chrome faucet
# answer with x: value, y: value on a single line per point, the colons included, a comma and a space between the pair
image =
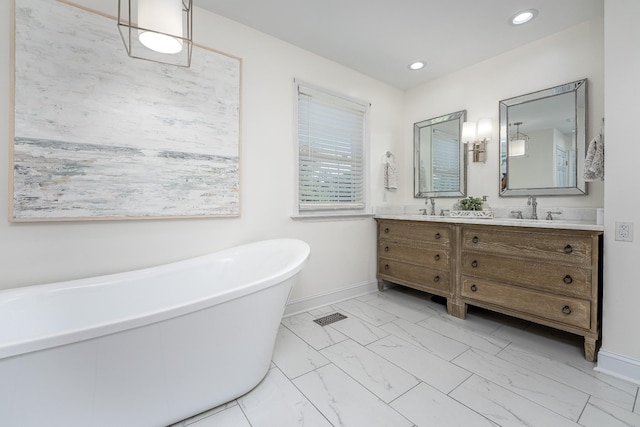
x: 432, y: 210
x: 534, y: 206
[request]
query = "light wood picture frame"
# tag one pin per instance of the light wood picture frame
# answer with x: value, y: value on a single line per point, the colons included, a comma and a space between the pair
x: 99, y: 135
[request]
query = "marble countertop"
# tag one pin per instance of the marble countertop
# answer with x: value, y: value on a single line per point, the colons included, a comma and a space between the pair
x: 509, y: 222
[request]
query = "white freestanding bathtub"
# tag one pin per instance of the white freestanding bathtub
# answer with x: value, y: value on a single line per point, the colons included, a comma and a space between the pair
x: 148, y: 347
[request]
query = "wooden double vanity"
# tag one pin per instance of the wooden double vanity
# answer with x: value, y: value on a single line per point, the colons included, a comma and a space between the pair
x: 542, y: 272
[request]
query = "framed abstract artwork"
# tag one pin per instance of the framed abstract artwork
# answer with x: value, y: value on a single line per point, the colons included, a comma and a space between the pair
x: 99, y: 135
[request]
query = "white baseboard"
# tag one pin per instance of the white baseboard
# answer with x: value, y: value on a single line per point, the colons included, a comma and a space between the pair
x: 618, y: 366
x: 309, y: 303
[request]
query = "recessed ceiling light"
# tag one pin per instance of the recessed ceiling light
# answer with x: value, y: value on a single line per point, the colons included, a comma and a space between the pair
x: 418, y: 65
x: 523, y: 17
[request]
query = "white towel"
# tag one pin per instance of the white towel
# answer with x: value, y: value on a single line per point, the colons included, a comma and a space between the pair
x: 594, y: 161
x: 390, y: 174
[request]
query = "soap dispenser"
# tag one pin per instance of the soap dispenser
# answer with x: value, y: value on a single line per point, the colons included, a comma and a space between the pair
x: 485, y: 204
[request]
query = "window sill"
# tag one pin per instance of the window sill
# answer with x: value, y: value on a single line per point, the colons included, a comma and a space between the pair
x: 331, y: 216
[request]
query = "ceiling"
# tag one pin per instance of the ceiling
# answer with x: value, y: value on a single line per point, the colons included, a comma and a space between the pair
x: 381, y: 37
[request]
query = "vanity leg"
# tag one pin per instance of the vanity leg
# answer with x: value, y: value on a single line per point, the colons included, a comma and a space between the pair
x: 380, y: 285
x: 590, y: 349
x: 456, y: 308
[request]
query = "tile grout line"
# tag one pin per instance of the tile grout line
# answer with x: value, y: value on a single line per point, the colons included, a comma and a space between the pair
x: 307, y: 397
x: 464, y: 404
x: 240, y: 406
x: 367, y: 389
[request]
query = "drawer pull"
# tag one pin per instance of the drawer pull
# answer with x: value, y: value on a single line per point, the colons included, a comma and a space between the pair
x: 474, y: 288
x: 386, y: 230
x: 437, y: 257
x: 475, y: 239
x: 386, y: 248
x: 567, y: 279
x: 566, y: 309
x: 437, y: 236
x: 386, y: 266
x: 568, y: 249
x: 436, y: 279
x: 474, y: 263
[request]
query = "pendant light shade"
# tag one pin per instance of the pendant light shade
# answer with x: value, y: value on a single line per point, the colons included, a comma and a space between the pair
x: 165, y: 18
x: 517, y: 147
x: 518, y: 142
x: 157, y: 30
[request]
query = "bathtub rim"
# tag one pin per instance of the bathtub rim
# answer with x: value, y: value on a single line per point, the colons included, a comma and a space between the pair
x: 68, y: 336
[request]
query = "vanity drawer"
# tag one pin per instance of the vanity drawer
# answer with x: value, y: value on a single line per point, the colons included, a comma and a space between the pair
x: 433, y: 257
x: 560, y: 279
x: 417, y: 231
x: 415, y: 275
x: 569, y: 248
x: 566, y: 310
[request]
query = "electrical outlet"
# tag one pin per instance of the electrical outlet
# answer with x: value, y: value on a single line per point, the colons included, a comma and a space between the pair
x: 624, y: 231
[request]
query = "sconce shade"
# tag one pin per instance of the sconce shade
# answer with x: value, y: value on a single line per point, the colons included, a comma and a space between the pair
x: 157, y: 30
x: 468, y: 131
x: 485, y: 128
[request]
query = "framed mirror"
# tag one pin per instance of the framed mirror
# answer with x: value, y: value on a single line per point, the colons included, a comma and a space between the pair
x: 439, y: 162
x: 543, y: 142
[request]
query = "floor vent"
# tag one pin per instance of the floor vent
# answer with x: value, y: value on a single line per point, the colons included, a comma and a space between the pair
x: 327, y: 320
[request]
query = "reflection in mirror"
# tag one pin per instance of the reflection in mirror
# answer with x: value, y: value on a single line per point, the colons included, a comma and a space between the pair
x: 542, y: 141
x: 439, y: 161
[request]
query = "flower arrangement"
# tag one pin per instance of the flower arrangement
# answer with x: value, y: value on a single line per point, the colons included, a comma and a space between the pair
x: 471, y: 207
x: 471, y: 204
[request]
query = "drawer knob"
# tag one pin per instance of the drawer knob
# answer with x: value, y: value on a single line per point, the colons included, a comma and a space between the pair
x: 436, y: 279
x: 567, y: 279
x: 386, y: 248
x: 386, y: 230
x: 437, y: 236
x: 568, y: 249
x: 474, y: 263
x: 475, y: 239
x: 474, y: 288
x: 566, y: 309
x: 386, y: 266
x: 437, y: 257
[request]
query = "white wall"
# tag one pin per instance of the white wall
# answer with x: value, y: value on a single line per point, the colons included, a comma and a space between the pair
x: 537, y: 165
x: 567, y: 56
x: 343, y: 252
x: 621, y: 203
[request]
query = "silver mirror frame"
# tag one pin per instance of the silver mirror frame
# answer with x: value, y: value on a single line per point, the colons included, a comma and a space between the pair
x: 579, y: 89
x: 460, y: 116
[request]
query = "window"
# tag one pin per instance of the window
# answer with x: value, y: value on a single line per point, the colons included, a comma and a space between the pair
x: 332, y: 167
x: 445, y: 164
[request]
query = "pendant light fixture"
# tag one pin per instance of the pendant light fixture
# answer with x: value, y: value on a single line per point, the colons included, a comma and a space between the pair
x: 518, y: 143
x: 157, y: 30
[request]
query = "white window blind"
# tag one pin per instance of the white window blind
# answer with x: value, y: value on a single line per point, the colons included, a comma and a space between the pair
x: 331, y: 152
x: 445, y: 166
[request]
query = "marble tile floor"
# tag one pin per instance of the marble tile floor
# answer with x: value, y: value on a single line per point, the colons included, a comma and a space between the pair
x: 400, y: 360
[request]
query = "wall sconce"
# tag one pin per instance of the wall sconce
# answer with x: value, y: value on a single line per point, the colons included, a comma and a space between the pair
x: 477, y: 136
x: 157, y: 30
